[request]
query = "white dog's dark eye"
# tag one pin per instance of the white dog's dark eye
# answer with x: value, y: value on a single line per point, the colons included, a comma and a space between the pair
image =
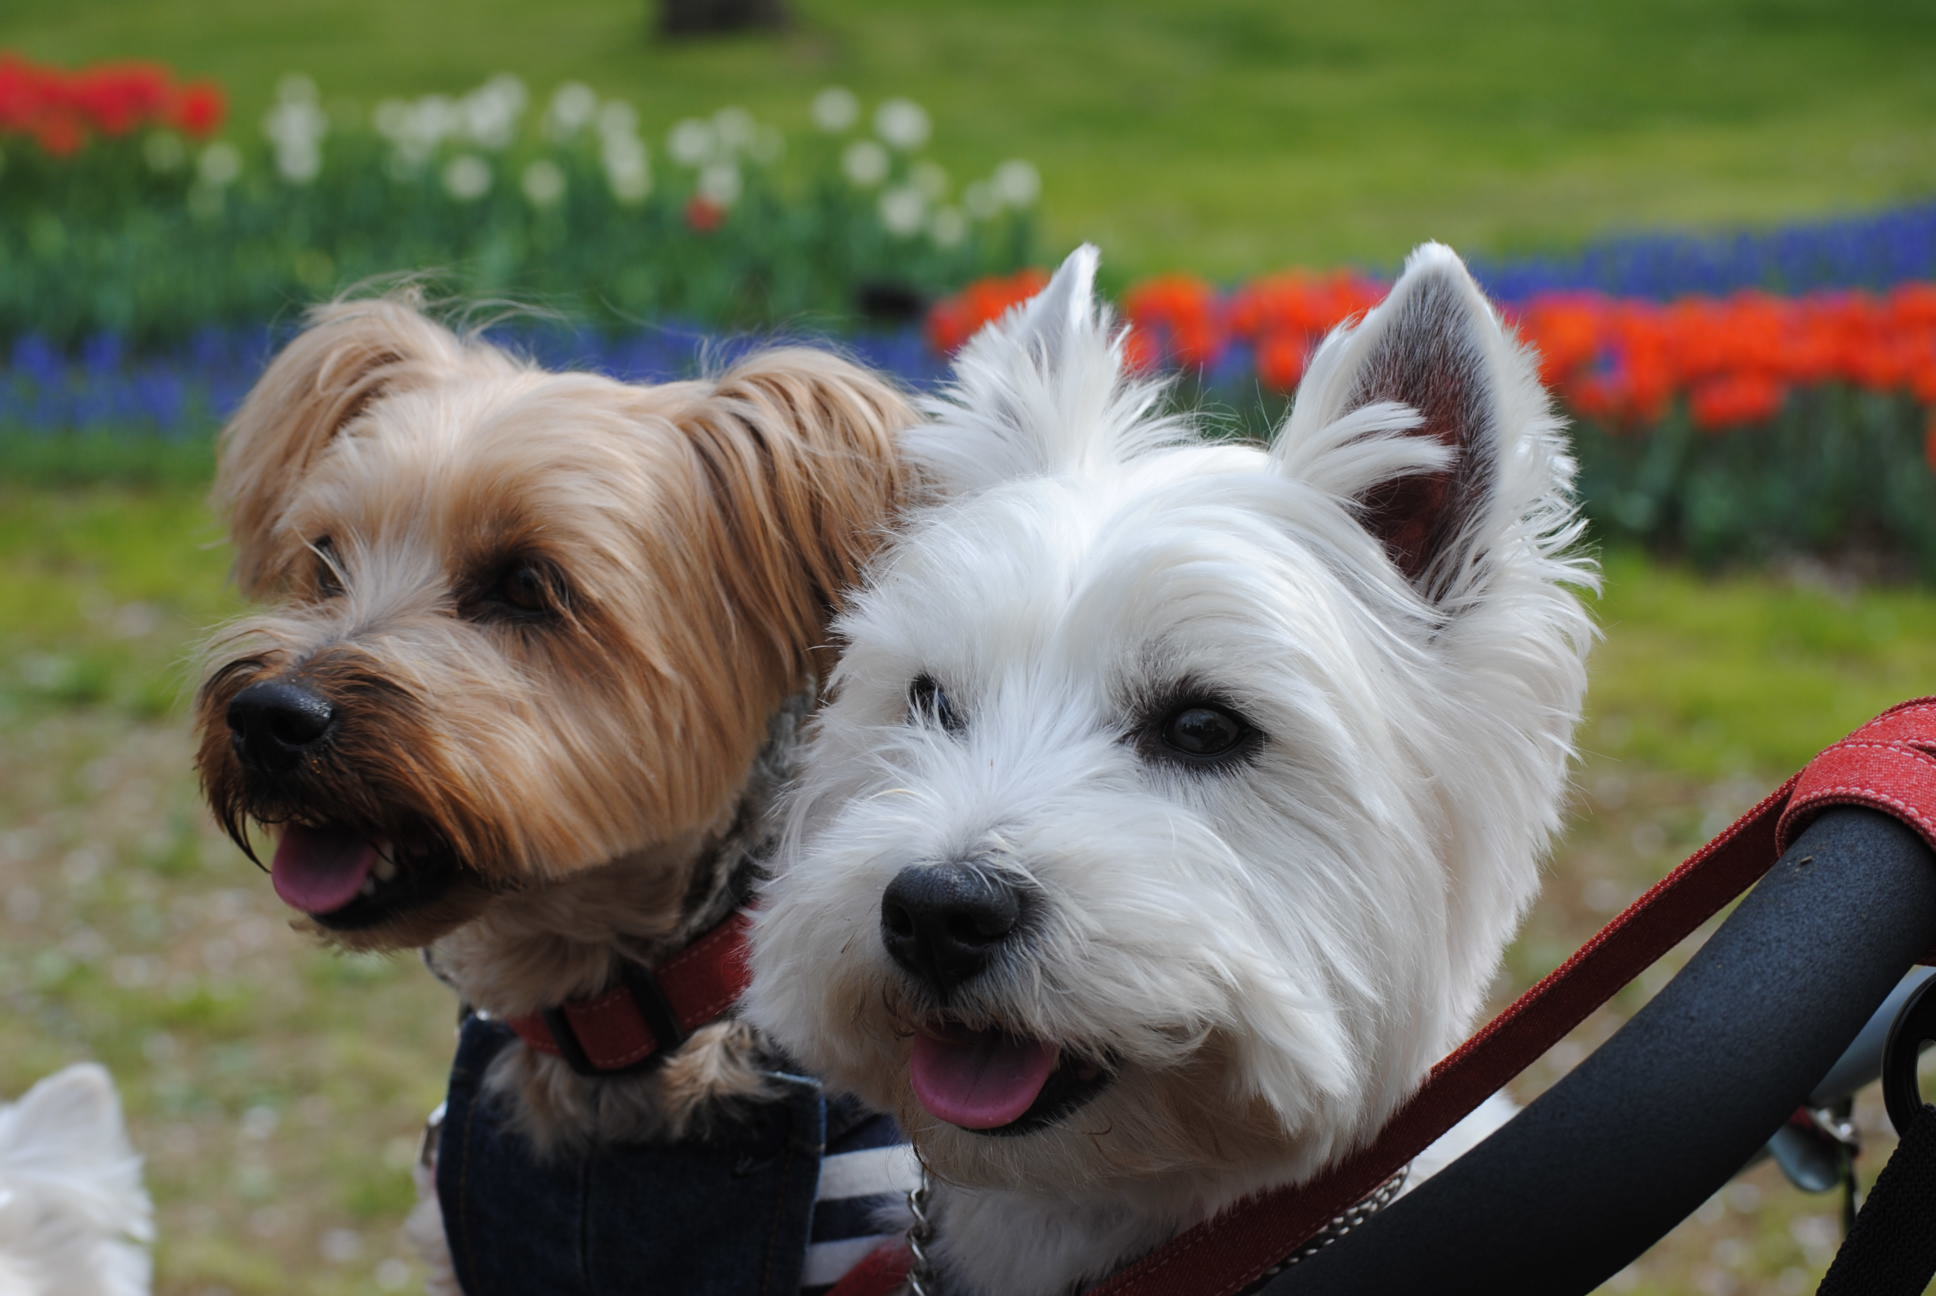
x: 927, y: 703
x: 1201, y: 731
x: 329, y: 583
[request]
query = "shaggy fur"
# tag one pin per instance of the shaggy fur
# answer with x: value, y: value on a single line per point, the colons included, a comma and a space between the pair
x: 1261, y: 955
x: 74, y: 1218
x: 566, y: 626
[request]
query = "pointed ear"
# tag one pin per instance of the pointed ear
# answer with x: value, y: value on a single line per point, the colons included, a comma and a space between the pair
x: 1053, y: 320
x: 1040, y: 390
x: 74, y: 1113
x: 351, y: 354
x: 1428, y: 415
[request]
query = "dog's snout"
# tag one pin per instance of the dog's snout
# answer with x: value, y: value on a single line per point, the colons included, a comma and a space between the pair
x: 277, y: 721
x: 945, y: 922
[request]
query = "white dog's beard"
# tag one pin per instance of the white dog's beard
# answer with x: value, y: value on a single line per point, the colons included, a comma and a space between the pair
x: 1176, y: 799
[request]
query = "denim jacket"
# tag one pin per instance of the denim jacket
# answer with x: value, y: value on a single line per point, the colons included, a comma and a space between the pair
x: 728, y: 1216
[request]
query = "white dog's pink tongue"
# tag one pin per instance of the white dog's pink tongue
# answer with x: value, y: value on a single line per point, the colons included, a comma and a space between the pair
x: 979, y: 1079
x: 319, y: 870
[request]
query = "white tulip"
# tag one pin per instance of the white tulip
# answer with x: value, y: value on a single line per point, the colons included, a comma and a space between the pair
x: 298, y: 160
x: 735, y: 127
x: 979, y: 198
x: 691, y: 141
x: 616, y: 117
x: 219, y: 164
x: 931, y: 178
x: 865, y: 163
x: 948, y: 227
x: 835, y: 109
x: 543, y: 182
x: 164, y: 151
x: 902, y: 210
x: 467, y: 177
x: 573, y: 105
x: 719, y: 182
x: 902, y: 123
x: 1017, y: 183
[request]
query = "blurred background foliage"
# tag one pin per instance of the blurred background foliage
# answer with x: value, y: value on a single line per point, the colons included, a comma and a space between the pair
x: 1599, y: 164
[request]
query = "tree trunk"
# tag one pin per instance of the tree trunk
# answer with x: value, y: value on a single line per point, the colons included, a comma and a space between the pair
x: 692, y: 17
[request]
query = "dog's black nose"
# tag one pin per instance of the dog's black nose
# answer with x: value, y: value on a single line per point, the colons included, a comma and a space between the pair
x: 275, y: 722
x: 944, y: 922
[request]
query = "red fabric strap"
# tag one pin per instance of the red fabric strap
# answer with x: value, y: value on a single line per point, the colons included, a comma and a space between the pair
x: 881, y: 1272
x: 1888, y: 765
x: 614, y: 1029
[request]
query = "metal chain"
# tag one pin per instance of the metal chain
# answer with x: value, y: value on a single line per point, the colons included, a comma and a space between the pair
x: 920, y: 1280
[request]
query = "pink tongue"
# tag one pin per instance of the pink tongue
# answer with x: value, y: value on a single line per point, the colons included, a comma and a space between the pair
x: 319, y: 870
x: 979, y: 1079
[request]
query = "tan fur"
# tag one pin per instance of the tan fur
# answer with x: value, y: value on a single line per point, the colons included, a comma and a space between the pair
x: 589, y: 773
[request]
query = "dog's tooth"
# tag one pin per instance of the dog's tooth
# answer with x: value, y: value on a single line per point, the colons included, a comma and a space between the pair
x: 386, y: 868
x: 369, y: 886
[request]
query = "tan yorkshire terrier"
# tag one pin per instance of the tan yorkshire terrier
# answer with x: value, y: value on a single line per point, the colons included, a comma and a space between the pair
x: 534, y: 650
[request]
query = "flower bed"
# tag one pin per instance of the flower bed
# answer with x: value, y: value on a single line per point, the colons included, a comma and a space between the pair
x: 1739, y: 427
x: 146, y: 255
x: 124, y: 210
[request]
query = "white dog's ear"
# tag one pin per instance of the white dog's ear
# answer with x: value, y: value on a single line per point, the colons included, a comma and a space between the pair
x: 1430, y: 418
x: 1056, y: 319
x: 1041, y: 390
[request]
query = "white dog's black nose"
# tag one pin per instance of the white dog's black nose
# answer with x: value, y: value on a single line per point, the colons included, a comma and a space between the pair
x: 944, y: 922
x: 276, y: 721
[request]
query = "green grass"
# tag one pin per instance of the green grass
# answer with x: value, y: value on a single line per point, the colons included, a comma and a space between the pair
x: 276, y: 1090
x: 1229, y: 136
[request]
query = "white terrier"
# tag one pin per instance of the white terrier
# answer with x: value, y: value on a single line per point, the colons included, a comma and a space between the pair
x: 74, y: 1218
x: 1178, y: 798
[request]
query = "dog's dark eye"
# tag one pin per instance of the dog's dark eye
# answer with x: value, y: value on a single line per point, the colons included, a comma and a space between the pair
x: 1201, y: 732
x: 329, y: 581
x: 928, y: 704
x: 521, y: 590
x: 524, y: 587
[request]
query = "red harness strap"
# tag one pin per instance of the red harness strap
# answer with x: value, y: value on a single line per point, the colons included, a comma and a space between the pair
x: 648, y: 1013
x: 1888, y: 765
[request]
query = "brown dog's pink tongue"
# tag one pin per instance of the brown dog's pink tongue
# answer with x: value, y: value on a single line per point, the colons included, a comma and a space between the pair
x: 979, y: 1079
x: 319, y: 870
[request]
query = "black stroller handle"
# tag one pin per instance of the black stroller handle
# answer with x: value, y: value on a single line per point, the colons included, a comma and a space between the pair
x: 1628, y: 1144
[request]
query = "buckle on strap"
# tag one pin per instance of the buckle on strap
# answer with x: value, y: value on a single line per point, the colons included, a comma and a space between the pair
x: 648, y: 999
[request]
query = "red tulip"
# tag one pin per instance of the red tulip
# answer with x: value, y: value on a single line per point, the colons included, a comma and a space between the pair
x: 199, y: 109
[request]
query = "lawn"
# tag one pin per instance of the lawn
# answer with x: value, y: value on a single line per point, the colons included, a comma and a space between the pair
x: 277, y: 1089
x: 1226, y: 136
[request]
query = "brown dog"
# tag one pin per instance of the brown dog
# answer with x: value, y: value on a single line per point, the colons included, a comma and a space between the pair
x: 534, y: 648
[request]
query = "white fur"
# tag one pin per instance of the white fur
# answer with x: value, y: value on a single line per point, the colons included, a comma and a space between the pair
x: 74, y: 1218
x: 1271, y: 955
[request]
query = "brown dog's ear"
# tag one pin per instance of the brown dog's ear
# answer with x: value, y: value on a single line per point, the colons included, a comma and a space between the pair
x: 800, y: 447
x: 352, y: 352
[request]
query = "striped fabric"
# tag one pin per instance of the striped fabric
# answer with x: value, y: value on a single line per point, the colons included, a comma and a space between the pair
x: 866, y: 1174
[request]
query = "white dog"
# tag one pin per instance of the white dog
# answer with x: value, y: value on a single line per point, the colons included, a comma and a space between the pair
x: 1178, y: 798
x: 74, y: 1218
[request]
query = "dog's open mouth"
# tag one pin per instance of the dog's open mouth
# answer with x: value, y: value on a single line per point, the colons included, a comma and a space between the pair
x: 347, y: 880
x: 992, y: 1082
